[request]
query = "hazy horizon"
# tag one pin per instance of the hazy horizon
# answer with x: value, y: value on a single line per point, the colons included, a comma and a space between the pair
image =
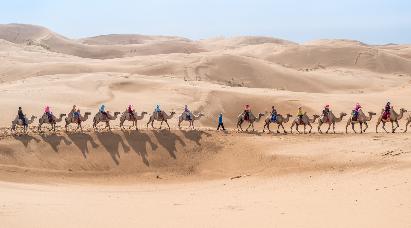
x: 367, y: 21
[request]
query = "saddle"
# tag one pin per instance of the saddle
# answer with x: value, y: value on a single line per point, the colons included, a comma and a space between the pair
x: 386, y: 116
x: 247, y: 116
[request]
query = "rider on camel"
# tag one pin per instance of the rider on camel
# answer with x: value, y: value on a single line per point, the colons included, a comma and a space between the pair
x: 22, y: 117
x: 187, y: 112
x: 130, y: 112
x: 102, y: 110
x: 247, y: 111
x: 387, y: 111
x: 300, y: 114
x: 49, y: 114
x: 273, y: 114
x: 326, y: 113
x: 158, y: 111
x: 356, y: 111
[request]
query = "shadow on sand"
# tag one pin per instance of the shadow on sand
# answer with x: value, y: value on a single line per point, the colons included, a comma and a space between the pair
x: 195, y: 135
x: 80, y: 140
x: 138, y: 142
x: 168, y: 140
x: 25, y: 139
x: 54, y: 140
x: 110, y: 142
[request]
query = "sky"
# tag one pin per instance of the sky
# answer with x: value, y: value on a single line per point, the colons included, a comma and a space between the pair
x: 370, y: 21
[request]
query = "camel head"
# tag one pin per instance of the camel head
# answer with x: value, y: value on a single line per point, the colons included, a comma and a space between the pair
x: 316, y: 116
x: 87, y: 113
x: 62, y: 115
x: 200, y: 115
x: 116, y: 113
x: 172, y: 113
x: 144, y: 113
x: 403, y: 110
x: 372, y: 113
x: 289, y: 115
x: 343, y: 114
x: 260, y: 115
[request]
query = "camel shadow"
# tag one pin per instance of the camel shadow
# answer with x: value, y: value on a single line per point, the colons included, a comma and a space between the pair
x: 195, y: 135
x: 55, y: 140
x: 111, y: 142
x: 138, y: 142
x: 25, y: 139
x: 168, y: 140
x: 80, y: 140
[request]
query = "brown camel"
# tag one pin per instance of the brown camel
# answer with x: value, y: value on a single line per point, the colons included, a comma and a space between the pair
x: 18, y: 122
x: 53, y: 121
x: 304, y: 121
x: 394, y: 118
x: 280, y: 120
x: 408, y: 123
x: 331, y: 120
x: 361, y: 119
x: 191, y: 119
x: 100, y: 117
x: 251, y: 120
x: 70, y: 119
x: 162, y: 116
x: 126, y: 116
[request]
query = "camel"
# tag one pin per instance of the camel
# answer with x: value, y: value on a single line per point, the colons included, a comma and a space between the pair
x: 126, y: 116
x: 183, y: 117
x: 18, y: 122
x: 361, y: 119
x: 163, y: 117
x: 71, y: 119
x: 53, y: 122
x: 305, y: 121
x: 408, y: 123
x: 100, y: 117
x: 251, y: 120
x: 331, y: 120
x: 280, y: 120
x: 394, y: 118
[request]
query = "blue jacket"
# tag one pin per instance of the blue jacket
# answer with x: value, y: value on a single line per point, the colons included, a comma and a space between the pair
x: 220, y: 119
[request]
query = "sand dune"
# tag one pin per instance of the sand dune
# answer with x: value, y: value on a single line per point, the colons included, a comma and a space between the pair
x: 238, y: 179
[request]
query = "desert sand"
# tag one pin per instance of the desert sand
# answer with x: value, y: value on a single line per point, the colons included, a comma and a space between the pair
x: 201, y: 178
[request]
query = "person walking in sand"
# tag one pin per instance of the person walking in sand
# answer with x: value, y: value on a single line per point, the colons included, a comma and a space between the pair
x: 220, y: 122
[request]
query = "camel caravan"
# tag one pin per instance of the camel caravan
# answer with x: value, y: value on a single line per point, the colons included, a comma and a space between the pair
x: 247, y: 117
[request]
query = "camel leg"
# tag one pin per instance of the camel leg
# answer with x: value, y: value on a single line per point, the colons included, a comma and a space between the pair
x: 311, y: 127
x: 278, y: 128
x: 361, y: 128
x: 305, y: 127
x: 334, y: 128
x: 167, y: 124
x: 346, y: 127
x: 285, y: 132
x: 383, y: 127
x: 291, y: 129
x: 329, y: 127
x: 297, y: 129
x: 376, y: 126
x: 353, y: 128
x: 396, y: 122
x: 248, y: 127
x: 319, y: 127
x: 406, y: 126
x: 366, y: 127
